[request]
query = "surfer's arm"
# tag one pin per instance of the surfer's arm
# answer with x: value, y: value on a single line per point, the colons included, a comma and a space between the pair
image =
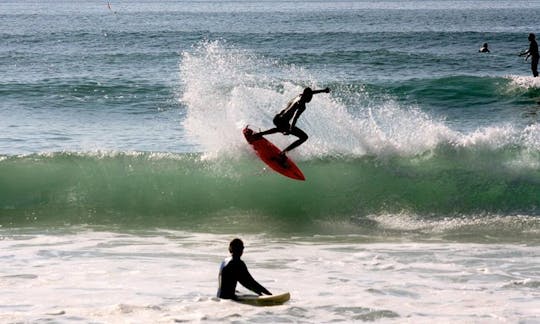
x: 325, y: 90
x: 247, y: 281
x: 297, y: 114
x: 302, y: 107
x: 253, y: 285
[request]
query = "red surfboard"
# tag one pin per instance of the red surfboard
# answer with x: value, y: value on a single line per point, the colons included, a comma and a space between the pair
x: 269, y: 154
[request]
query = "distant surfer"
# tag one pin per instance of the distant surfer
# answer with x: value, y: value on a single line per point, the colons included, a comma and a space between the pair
x: 484, y: 48
x: 234, y: 270
x: 286, y: 120
x: 533, y: 53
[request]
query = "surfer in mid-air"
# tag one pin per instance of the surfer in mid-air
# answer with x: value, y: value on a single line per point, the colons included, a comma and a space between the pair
x: 533, y: 53
x: 286, y: 120
x: 234, y: 270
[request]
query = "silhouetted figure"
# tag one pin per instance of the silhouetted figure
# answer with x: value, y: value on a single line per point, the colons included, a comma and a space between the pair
x: 533, y: 53
x: 234, y: 270
x: 286, y: 120
x: 484, y: 48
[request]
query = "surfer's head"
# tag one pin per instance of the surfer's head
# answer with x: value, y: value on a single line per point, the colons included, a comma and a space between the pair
x: 307, y: 94
x: 236, y: 247
x: 532, y: 37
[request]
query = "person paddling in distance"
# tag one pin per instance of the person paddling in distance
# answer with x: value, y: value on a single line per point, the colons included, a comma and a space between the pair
x: 484, y: 48
x: 285, y: 120
x: 234, y: 270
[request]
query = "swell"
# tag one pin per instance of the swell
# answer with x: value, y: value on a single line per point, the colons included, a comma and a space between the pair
x: 190, y: 191
x: 78, y: 88
x: 464, y: 91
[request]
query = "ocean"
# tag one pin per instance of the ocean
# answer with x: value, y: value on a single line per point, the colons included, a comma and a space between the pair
x: 124, y: 173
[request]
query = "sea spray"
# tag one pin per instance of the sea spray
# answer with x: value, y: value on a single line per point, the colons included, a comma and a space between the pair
x: 226, y: 89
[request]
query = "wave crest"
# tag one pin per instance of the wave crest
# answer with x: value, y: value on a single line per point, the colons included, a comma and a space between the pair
x: 227, y: 88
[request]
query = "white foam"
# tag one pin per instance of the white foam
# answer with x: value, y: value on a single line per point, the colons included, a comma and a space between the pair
x: 226, y: 89
x: 491, y: 137
x: 409, y: 222
x: 167, y: 276
x: 524, y: 82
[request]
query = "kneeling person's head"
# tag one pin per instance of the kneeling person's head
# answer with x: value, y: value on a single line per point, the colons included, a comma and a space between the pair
x: 236, y: 247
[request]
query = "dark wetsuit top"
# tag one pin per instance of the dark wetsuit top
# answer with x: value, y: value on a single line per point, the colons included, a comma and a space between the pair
x: 533, y: 52
x: 293, y: 110
x: 533, y: 49
x: 234, y: 270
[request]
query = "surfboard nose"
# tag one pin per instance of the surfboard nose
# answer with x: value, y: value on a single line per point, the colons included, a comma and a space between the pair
x: 248, y: 134
x: 271, y: 155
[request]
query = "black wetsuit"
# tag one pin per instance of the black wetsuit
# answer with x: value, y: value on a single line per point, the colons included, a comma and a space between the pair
x: 533, y: 52
x: 283, y: 120
x: 294, y: 109
x: 234, y: 270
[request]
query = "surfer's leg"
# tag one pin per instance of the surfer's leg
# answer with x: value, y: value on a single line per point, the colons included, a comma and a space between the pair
x: 267, y: 132
x: 280, y: 127
x: 302, y: 137
x: 534, y: 66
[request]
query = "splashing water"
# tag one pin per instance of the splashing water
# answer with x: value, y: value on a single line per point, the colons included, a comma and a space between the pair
x: 226, y: 89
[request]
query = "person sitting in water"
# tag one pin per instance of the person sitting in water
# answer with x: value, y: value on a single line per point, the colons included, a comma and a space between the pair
x: 532, y: 52
x: 484, y: 48
x: 286, y: 120
x: 234, y: 270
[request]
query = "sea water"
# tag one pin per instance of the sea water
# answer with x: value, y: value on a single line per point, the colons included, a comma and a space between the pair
x: 124, y: 173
